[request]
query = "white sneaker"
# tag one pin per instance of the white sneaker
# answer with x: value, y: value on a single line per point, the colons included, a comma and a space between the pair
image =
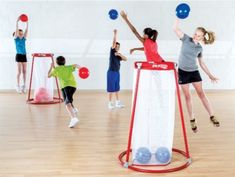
x: 110, y: 105
x: 119, y: 104
x: 23, y: 89
x: 74, y: 121
x: 18, y: 90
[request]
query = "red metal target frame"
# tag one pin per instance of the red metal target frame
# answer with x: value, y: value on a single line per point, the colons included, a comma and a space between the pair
x: 125, y: 155
x: 55, y: 99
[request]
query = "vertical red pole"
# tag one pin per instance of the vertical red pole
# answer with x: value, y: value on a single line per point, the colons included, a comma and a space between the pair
x: 133, y: 112
x: 31, y: 78
x: 181, y: 114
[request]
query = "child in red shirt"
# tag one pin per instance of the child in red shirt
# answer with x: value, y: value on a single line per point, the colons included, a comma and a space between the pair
x: 148, y: 40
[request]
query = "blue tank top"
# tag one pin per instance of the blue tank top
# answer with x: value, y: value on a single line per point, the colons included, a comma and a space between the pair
x: 20, y: 46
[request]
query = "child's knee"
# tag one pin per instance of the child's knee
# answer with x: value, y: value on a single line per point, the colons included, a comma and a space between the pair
x: 19, y: 72
x: 24, y: 71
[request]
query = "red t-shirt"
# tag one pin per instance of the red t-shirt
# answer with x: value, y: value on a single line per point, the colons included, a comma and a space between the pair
x: 150, y: 49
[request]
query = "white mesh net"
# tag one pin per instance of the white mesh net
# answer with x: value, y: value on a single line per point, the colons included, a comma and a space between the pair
x: 43, y: 86
x: 154, y: 116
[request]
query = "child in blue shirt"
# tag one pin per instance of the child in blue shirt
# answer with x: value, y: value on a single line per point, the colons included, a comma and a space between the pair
x: 113, y: 75
x: 21, y: 59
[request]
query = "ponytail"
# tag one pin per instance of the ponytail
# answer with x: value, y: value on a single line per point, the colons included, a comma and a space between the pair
x: 152, y: 34
x: 209, y: 36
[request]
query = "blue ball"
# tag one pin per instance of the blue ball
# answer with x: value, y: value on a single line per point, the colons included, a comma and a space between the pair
x: 143, y: 155
x: 113, y: 14
x: 163, y: 155
x: 182, y: 10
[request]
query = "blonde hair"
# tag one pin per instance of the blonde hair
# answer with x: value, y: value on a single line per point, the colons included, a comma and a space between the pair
x: 209, y: 36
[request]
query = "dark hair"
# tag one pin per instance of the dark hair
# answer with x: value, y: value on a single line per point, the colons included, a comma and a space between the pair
x: 152, y: 34
x: 117, y: 43
x: 15, y: 32
x: 60, y: 60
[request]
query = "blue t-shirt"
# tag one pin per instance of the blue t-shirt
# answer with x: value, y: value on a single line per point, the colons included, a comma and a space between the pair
x: 20, y: 46
x: 114, y: 61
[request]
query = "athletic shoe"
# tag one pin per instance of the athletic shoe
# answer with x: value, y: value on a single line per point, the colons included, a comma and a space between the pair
x: 18, y: 90
x: 214, y: 121
x: 119, y: 104
x: 23, y: 89
x: 110, y: 105
x: 193, y: 125
x: 74, y: 121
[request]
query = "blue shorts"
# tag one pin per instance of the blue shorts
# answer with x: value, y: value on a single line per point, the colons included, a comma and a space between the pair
x: 113, y: 81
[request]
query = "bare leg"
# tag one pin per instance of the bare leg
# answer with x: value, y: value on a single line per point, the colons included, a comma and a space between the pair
x: 116, y: 94
x: 19, y: 70
x: 24, y: 65
x: 203, y: 97
x: 206, y: 103
x: 110, y: 96
x: 74, y: 120
x: 188, y: 100
x: 75, y: 110
x: 69, y: 108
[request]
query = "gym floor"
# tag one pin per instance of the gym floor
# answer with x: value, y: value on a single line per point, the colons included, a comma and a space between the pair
x: 36, y: 142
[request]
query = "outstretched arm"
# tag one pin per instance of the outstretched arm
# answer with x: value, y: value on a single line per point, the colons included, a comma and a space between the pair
x: 49, y: 72
x: 17, y: 27
x: 206, y: 70
x: 114, y: 38
x: 124, y: 16
x: 177, y: 30
x: 76, y: 66
x: 134, y: 49
x: 26, y: 30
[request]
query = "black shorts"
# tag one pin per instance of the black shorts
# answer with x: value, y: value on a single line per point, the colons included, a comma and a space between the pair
x: 21, y: 58
x: 67, y: 93
x: 186, y: 77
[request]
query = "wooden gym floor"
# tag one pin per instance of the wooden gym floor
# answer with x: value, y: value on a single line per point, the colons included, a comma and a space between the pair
x: 36, y: 142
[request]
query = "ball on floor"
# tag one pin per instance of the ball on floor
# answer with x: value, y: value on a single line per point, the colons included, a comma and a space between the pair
x: 162, y: 155
x: 143, y: 155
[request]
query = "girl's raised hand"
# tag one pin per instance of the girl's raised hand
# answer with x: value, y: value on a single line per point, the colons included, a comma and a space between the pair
x: 123, y: 14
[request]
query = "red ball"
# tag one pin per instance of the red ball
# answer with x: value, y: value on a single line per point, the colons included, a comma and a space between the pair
x: 83, y: 73
x: 23, y: 18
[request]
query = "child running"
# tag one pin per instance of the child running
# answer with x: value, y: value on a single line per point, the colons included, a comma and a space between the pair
x: 67, y: 84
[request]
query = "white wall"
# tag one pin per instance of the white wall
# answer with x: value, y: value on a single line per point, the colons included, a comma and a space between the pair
x: 82, y: 32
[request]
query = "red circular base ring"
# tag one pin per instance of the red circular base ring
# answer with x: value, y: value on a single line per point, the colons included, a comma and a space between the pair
x: 55, y: 100
x: 144, y: 170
